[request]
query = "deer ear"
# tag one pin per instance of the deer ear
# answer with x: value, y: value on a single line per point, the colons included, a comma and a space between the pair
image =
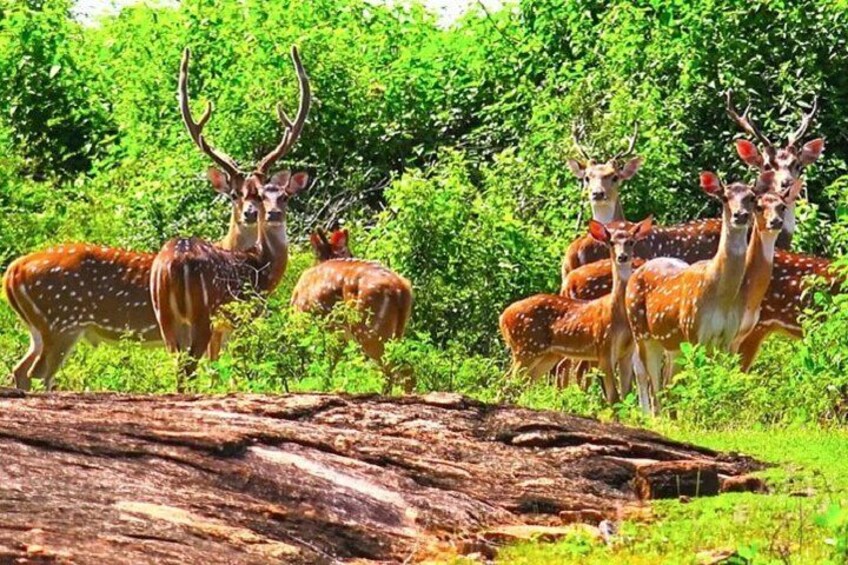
x: 711, y: 184
x: 630, y: 168
x: 643, y: 228
x: 298, y: 182
x: 764, y: 182
x: 598, y: 231
x: 315, y: 240
x: 339, y: 238
x: 281, y: 179
x: 578, y: 168
x: 219, y: 179
x: 748, y: 153
x: 811, y: 151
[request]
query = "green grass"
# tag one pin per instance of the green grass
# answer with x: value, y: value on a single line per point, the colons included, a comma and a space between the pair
x: 773, y: 528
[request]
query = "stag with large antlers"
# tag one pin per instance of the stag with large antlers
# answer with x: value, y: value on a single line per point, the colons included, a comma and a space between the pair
x: 101, y: 293
x: 191, y: 279
x: 382, y: 298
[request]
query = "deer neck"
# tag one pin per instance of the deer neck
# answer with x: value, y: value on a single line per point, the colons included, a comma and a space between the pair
x: 620, y: 276
x: 727, y: 268
x: 759, y: 264
x: 784, y: 240
x: 239, y: 236
x: 607, y: 211
x: 273, y: 255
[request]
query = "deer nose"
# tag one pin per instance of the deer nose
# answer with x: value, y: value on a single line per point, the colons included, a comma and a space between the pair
x: 775, y: 224
x: 741, y: 216
x: 598, y: 195
x: 250, y: 216
x: 275, y: 216
x: 623, y: 257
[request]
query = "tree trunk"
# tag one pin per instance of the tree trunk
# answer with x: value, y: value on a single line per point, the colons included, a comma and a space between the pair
x: 309, y: 478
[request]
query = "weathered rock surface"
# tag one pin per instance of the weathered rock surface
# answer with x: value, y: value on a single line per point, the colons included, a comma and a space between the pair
x: 105, y: 478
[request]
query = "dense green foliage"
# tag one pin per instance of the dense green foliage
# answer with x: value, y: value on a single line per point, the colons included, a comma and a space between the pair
x: 444, y: 148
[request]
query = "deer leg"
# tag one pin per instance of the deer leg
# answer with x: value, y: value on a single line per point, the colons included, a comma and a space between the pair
x: 216, y: 343
x: 651, y: 355
x: 53, y: 355
x: 562, y: 373
x: 200, y: 335
x: 22, y: 369
x: 610, y: 391
x: 750, y: 346
x: 642, y: 380
x: 580, y: 371
x: 625, y: 372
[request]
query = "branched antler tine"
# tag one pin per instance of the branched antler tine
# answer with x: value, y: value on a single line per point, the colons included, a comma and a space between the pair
x: 322, y: 235
x: 195, y: 129
x: 745, y: 123
x: 805, y: 122
x: 631, y: 144
x: 576, y: 133
x: 292, y: 128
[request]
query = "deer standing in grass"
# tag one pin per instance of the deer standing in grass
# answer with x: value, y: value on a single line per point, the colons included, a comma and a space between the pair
x: 192, y: 279
x: 670, y: 302
x: 543, y: 329
x: 382, y: 298
x: 102, y: 293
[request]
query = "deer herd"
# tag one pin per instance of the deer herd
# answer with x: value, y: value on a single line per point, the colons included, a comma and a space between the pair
x: 631, y: 293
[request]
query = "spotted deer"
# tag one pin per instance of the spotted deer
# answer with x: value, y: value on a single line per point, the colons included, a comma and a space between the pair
x: 192, y: 279
x: 697, y: 240
x: 670, y: 302
x: 786, y: 298
x: 101, y: 293
x: 545, y: 328
x: 382, y: 298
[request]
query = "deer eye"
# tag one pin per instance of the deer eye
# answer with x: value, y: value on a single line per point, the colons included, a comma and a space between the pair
x: 615, y: 178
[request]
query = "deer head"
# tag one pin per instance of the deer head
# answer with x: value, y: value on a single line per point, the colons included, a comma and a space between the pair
x: 771, y: 207
x: 227, y: 177
x: 334, y: 247
x: 738, y: 199
x: 602, y: 180
x: 620, y: 238
x: 274, y: 195
x: 787, y: 162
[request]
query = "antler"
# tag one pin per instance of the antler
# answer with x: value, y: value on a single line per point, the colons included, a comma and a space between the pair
x: 746, y: 124
x: 195, y: 129
x: 319, y: 231
x: 293, y: 128
x: 805, y: 122
x: 577, y: 131
x: 631, y: 144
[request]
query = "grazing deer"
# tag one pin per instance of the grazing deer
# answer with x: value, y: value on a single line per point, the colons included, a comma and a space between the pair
x: 545, y: 328
x: 102, y: 293
x: 382, y: 298
x: 191, y: 279
x: 698, y: 240
x: 670, y: 302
